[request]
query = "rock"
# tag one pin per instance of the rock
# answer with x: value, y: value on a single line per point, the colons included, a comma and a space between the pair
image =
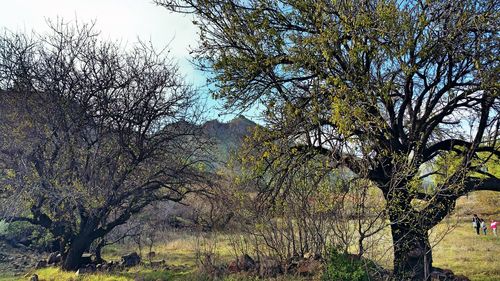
x: 308, y: 255
x: 232, y: 267
x: 292, y: 264
x: 439, y: 274
x: 85, y: 270
x: 20, y: 246
x: 54, y: 258
x: 86, y: 258
x: 34, y: 277
x: 41, y: 264
x: 461, y: 278
x: 81, y: 271
x: 111, y: 265
x: 158, y: 263
x: 130, y: 260
x: 151, y: 255
x: 269, y: 267
x: 309, y: 267
x: 245, y: 263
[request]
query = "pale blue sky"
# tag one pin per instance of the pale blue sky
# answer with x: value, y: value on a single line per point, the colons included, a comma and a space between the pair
x: 122, y: 20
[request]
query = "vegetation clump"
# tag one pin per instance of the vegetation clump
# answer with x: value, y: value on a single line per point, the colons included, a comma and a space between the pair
x: 344, y: 267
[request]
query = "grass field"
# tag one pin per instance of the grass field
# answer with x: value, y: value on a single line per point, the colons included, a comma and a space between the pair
x: 461, y: 250
x: 464, y: 252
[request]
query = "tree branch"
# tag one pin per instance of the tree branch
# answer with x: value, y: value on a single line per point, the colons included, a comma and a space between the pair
x: 449, y: 144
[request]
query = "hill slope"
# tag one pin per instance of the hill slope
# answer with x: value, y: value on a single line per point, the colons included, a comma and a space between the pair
x: 227, y: 137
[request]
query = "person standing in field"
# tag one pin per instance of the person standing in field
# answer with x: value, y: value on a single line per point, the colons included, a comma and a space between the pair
x: 493, y: 227
x: 476, y: 223
x: 483, y: 226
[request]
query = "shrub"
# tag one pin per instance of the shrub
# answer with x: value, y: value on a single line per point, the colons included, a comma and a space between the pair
x: 344, y: 267
x: 26, y: 234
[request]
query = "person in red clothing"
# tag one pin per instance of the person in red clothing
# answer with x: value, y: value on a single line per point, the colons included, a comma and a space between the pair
x: 493, y: 227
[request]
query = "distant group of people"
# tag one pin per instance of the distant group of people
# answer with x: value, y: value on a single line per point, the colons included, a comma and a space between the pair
x: 479, y: 224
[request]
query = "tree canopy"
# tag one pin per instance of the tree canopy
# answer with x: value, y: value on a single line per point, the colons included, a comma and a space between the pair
x: 90, y: 134
x: 383, y: 87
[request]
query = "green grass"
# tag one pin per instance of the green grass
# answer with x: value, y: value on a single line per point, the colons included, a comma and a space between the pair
x: 466, y: 253
x: 136, y: 273
x: 8, y: 277
x: 461, y: 250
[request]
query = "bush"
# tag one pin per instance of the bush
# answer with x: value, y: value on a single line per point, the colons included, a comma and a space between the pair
x: 3, y: 227
x: 344, y: 267
x: 26, y: 234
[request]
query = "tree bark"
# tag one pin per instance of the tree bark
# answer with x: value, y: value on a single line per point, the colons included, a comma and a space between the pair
x: 412, y: 253
x: 410, y: 238
x: 98, y: 249
x: 72, y: 260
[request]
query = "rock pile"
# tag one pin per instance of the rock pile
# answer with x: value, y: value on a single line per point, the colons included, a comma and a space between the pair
x: 130, y: 260
x: 439, y: 274
x: 268, y: 267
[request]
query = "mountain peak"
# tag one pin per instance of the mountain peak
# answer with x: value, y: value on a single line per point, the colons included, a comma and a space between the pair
x: 232, y: 132
x: 243, y: 121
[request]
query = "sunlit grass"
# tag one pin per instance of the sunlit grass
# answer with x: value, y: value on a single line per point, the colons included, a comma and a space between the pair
x: 466, y: 253
x: 135, y: 273
x: 8, y: 277
x: 461, y: 250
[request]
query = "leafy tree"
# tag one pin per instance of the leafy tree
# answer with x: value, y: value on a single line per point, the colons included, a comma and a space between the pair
x: 91, y: 134
x: 382, y: 87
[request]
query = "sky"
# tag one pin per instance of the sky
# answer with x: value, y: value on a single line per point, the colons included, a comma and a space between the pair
x: 118, y: 20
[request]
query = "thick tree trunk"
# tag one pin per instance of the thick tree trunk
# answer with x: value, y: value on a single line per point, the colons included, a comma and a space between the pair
x: 412, y: 252
x: 72, y: 260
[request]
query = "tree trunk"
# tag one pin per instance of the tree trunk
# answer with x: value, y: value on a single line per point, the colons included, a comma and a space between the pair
x: 412, y: 251
x: 72, y: 260
x: 98, y: 249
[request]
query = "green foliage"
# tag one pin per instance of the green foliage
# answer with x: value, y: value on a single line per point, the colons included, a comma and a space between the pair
x: 342, y: 267
x: 27, y: 234
x: 3, y: 227
x: 448, y: 163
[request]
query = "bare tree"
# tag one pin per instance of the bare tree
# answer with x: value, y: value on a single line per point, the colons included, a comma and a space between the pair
x: 90, y: 134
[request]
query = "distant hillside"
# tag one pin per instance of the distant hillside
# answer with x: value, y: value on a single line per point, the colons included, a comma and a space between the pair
x: 228, y: 137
